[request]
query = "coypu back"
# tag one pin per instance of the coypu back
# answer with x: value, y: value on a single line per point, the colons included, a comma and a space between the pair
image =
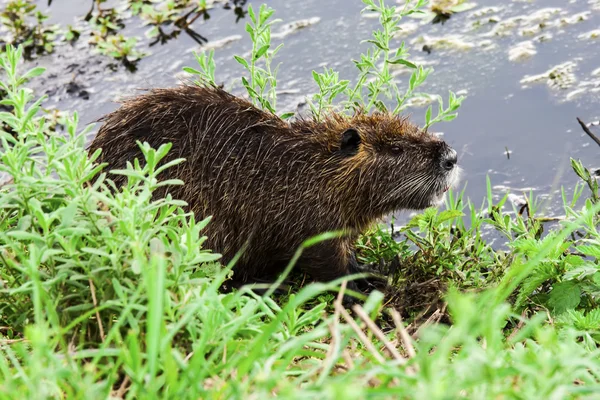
x: 270, y: 184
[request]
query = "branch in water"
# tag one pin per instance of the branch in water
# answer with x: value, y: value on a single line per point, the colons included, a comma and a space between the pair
x: 587, y: 130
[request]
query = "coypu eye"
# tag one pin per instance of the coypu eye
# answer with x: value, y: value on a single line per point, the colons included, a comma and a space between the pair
x: 396, y: 149
x: 350, y: 142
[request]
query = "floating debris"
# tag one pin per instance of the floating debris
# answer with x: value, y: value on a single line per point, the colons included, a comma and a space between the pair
x: 591, y: 86
x: 543, y: 15
x: 441, y: 10
x: 527, y: 25
x: 295, y: 26
x: 584, y: 88
x: 538, y: 21
x: 575, y: 93
x: 217, y: 44
x: 456, y: 42
x: 517, y: 200
x: 595, y: 34
x: 522, y: 51
x: 504, y: 27
x: 574, y: 19
x: 451, y: 6
x: 544, y: 37
x: 505, y: 188
x: 558, y: 77
x: 486, y: 44
x: 484, y: 12
x: 421, y: 100
x: 484, y: 16
x: 406, y: 29
x: 288, y: 91
x: 369, y: 15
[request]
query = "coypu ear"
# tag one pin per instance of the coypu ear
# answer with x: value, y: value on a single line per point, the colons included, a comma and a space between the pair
x: 350, y: 142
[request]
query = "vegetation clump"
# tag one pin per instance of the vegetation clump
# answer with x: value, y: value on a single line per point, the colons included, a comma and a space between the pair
x: 25, y: 25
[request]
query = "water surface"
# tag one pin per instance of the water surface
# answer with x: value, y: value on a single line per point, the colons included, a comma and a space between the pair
x: 534, y: 121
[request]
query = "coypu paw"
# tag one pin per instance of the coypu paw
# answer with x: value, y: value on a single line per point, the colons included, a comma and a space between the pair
x: 371, y: 282
x: 348, y: 300
x: 373, y: 279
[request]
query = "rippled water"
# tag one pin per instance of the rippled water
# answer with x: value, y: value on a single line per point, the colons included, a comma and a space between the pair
x: 535, y: 121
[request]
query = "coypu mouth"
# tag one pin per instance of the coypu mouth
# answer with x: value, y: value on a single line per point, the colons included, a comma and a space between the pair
x: 449, y: 177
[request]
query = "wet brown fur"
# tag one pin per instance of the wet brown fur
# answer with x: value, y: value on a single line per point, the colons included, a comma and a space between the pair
x: 273, y: 184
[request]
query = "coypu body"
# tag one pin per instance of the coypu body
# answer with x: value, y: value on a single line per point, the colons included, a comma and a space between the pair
x: 269, y: 184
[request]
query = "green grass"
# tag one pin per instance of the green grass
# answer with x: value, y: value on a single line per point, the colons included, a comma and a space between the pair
x: 109, y: 293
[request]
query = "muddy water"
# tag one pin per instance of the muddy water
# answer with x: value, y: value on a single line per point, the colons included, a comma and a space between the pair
x: 495, y: 53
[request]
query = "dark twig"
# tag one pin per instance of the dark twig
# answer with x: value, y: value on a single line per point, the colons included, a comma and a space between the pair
x: 587, y: 130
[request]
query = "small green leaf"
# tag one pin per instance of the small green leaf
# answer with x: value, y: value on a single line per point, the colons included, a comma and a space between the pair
x: 592, y: 250
x: 242, y: 61
x: 25, y: 236
x: 193, y: 71
x: 449, y: 117
x: 403, y: 62
x: 68, y: 214
x: 317, y: 77
x: 581, y: 272
x: 564, y: 296
x: 32, y: 73
x: 447, y: 215
x: 261, y: 51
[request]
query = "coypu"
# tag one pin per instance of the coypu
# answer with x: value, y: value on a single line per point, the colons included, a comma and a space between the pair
x: 271, y: 184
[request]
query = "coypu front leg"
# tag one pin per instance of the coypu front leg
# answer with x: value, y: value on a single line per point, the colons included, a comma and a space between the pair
x: 331, y: 260
x: 372, y: 281
x: 245, y: 275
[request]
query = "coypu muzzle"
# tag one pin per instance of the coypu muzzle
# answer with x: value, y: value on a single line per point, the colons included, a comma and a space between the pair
x: 416, y: 177
x: 449, y: 171
x: 447, y: 175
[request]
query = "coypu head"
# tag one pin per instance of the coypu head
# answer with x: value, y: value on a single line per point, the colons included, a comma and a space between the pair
x: 390, y: 163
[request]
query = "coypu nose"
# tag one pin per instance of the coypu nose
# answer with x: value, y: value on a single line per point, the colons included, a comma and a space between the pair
x: 449, y: 159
